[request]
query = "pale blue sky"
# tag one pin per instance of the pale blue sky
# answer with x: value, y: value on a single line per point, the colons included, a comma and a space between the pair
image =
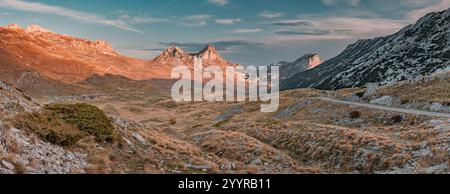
x: 252, y: 32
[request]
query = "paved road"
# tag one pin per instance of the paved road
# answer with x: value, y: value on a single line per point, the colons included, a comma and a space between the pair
x: 400, y: 110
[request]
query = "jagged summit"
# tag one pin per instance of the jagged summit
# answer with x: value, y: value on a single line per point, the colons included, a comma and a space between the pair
x: 36, y: 28
x: 209, y: 53
x: 13, y: 27
x: 174, y: 51
x: 29, y: 29
x: 176, y: 56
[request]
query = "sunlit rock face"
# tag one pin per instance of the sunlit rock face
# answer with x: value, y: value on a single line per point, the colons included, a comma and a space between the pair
x: 306, y: 62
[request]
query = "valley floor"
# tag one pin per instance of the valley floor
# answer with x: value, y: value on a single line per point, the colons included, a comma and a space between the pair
x: 311, y: 133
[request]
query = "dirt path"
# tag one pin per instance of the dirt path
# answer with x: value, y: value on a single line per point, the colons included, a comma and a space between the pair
x: 400, y: 110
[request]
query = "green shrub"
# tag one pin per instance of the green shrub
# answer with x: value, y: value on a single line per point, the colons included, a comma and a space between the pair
x: 49, y: 128
x: 87, y: 118
x: 65, y: 124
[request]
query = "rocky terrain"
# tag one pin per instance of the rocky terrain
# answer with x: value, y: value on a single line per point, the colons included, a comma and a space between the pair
x: 417, y: 50
x: 42, y: 62
x: 306, y: 62
x: 306, y: 135
x: 100, y: 112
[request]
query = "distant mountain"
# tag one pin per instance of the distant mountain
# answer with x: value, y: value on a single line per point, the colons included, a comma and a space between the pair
x: 65, y: 58
x: 40, y: 61
x: 174, y: 56
x: 306, y: 62
x: 416, y: 50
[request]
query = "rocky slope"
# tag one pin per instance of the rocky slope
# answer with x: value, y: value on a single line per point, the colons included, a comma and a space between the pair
x: 70, y: 59
x: 13, y: 100
x: 42, y: 62
x: 306, y: 62
x: 416, y: 50
x: 20, y: 153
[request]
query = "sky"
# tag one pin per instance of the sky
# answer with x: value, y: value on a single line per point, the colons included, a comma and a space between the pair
x: 248, y: 32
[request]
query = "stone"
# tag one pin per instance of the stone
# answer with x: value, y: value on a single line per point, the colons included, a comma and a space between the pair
x: 293, y: 108
x: 139, y: 138
x: 371, y: 89
x: 197, y: 167
x: 127, y: 141
x: 8, y: 165
x: 257, y: 162
x: 229, y: 113
x: 436, y: 107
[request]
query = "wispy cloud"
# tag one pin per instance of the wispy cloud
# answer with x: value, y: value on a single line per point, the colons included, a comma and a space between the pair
x: 66, y: 12
x: 315, y: 32
x: 5, y: 14
x: 416, y: 14
x: 142, y: 19
x: 329, y: 28
x: 221, y: 45
x: 346, y: 2
x: 243, y: 31
x: 270, y: 14
x: 218, y: 2
x: 292, y: 23
x: 196, y: 20
x: 228, y: 21
x: 305, y: 32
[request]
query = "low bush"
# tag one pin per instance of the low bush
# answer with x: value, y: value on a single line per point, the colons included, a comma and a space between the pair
x: 355, y: 114
x: 397, y: 119
x: 65, y: 124
x: 49, y: 128
x: 87, y: 118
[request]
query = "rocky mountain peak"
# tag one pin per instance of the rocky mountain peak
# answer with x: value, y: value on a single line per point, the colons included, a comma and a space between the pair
x: 104, y: 45
x: 312, y: 60
x: 36, y: 28
x: 14, y: 27
x: 176, y: 56
x: 174, y: 52
x: 305, y: 62
x: 209, y: 53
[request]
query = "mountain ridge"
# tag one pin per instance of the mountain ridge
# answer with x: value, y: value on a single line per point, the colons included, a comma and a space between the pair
x: 304, y: 63
x: 416, y: 50
x: 54, y: 57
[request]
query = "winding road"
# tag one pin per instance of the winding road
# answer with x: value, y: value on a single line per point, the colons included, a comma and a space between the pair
x: 400, y: 110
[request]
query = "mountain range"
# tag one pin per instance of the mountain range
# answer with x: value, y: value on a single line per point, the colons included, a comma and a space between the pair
x: 417, y: 50
x: 38, y: 60
x: 35, y: 58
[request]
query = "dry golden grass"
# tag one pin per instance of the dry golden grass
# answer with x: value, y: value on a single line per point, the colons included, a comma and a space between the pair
x: 320, y: 137
x: 248, y: 154
x: 433, y: 91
